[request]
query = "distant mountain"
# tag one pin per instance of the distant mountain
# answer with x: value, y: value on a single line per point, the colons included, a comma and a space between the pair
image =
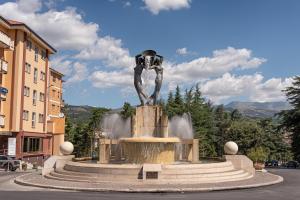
x: 257, y: 109
x: 78, y: 113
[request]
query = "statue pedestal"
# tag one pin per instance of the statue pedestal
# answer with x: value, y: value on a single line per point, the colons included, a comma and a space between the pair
x: 149, y: 121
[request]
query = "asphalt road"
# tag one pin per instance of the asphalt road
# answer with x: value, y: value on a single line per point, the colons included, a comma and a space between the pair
x: 288, y: 190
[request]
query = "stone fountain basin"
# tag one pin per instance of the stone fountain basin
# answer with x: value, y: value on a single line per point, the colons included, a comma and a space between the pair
x: 151, y: 140
x: 155, y: 150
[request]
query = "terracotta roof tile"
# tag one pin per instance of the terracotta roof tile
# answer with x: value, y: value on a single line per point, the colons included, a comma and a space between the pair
x: 14, y: 22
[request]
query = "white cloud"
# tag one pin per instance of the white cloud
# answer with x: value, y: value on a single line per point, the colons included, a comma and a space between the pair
x: 62, y: 64
x: 127, y: 4
x: 103, y: 79
x: 182, y: 51
x: 79, y: 73
x: 197, y: 70
x: 222, y: 61
x: 109, y: 50
x: 249, y: 86
x: 271, y: 90
x: 155, y: 6
x: 63, y: 29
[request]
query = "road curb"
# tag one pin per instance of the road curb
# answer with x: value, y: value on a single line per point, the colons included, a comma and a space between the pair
x: 180, y: 189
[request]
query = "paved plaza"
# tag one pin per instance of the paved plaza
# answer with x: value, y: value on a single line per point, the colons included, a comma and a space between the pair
x: 288, y: 190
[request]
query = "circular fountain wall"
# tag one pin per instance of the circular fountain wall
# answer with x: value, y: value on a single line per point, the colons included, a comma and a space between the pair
x: 149, y: 149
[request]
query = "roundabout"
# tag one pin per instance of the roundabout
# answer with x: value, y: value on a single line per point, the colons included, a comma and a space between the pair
x: 151, y: 157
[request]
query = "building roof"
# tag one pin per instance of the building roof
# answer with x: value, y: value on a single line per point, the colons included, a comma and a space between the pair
x: 56, y: 72
x: 12, y: 24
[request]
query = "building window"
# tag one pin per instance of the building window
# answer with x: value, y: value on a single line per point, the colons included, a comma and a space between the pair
x: 28, y: 45
x: 43, y: 54
x: 34, y: 97
x: 53, y: 107
x: 35, y: 75
x: 33, y: 120
x: 42, y: 97
x: 53, y: 79
x: 27, y: 68
x: 31, y: 144
x: 43, y: 76
x: 36, y: 54
x: 41, y: 118
x: 53, y: 93
x: 25, y: 115
x: 26, y: 91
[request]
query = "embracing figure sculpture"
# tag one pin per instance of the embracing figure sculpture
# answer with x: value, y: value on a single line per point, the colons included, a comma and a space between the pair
x: 148, y: 60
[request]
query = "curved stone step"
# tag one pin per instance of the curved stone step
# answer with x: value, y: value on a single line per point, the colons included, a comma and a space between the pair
x: 202, y: 175
x: 102, y: 168
x: 199, y: 170
x: 237, y: 177
x: 240, y: 177
x: 198, y: 165
x: 180, y: 176
x: 107, y: 177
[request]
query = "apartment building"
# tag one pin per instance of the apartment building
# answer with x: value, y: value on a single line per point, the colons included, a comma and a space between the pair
x: 25, y: 90
x: 56, y: 119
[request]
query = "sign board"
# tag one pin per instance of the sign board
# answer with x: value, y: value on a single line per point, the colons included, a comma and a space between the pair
x: 11, y: 147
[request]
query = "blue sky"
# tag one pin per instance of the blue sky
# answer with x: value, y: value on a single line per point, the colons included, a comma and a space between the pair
x: 235, y: 49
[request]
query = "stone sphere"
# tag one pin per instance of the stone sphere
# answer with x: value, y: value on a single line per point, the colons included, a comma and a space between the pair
x: 66, y: 148
x: 231, y: 148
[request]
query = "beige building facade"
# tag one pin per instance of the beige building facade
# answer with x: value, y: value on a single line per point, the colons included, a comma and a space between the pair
x: 25, y: 92
x: 56, y: 119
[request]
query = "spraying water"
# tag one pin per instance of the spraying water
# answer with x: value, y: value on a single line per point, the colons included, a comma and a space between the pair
x: 115, y: 127
x: 181, y: 126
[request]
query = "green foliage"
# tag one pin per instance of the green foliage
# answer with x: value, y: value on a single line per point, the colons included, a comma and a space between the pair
x: 127, y: 110
x: 258, y: 154
x: 290, y: 119
x: 82, y: 134
x: 214, y: 126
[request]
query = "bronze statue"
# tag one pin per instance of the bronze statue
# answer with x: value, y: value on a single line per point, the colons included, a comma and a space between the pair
x: 148, y: 60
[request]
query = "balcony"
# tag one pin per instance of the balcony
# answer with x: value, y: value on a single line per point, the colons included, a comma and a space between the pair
x: 3, y: 92
x: 3, y: 66
x: 6, y: 42
x: 2, y: 121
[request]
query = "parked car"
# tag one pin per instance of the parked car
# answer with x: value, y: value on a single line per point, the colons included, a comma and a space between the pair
x: 9, y: 163
x: 292, y: 164
x: 271, y: 163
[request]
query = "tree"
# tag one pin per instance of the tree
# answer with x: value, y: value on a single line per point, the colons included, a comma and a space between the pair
x: 69, y: 130
x: 258, y: 154
x: 235, y: 115
x: 188, y: 97
x: 291, y: 118
x: 222, y: 123
x: 127, y: 110
x: 246, y: 133
x: 170, y: 105
x: 94, y: 125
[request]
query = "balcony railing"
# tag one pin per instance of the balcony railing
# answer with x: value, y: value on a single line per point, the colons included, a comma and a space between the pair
x: 3, y: 66
x: 3, y: 92
x: 6, y: 42
x: 2, y: 121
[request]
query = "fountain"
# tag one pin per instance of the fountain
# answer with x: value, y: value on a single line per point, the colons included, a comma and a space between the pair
x: 148, y: 146
x: 149, y: 141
